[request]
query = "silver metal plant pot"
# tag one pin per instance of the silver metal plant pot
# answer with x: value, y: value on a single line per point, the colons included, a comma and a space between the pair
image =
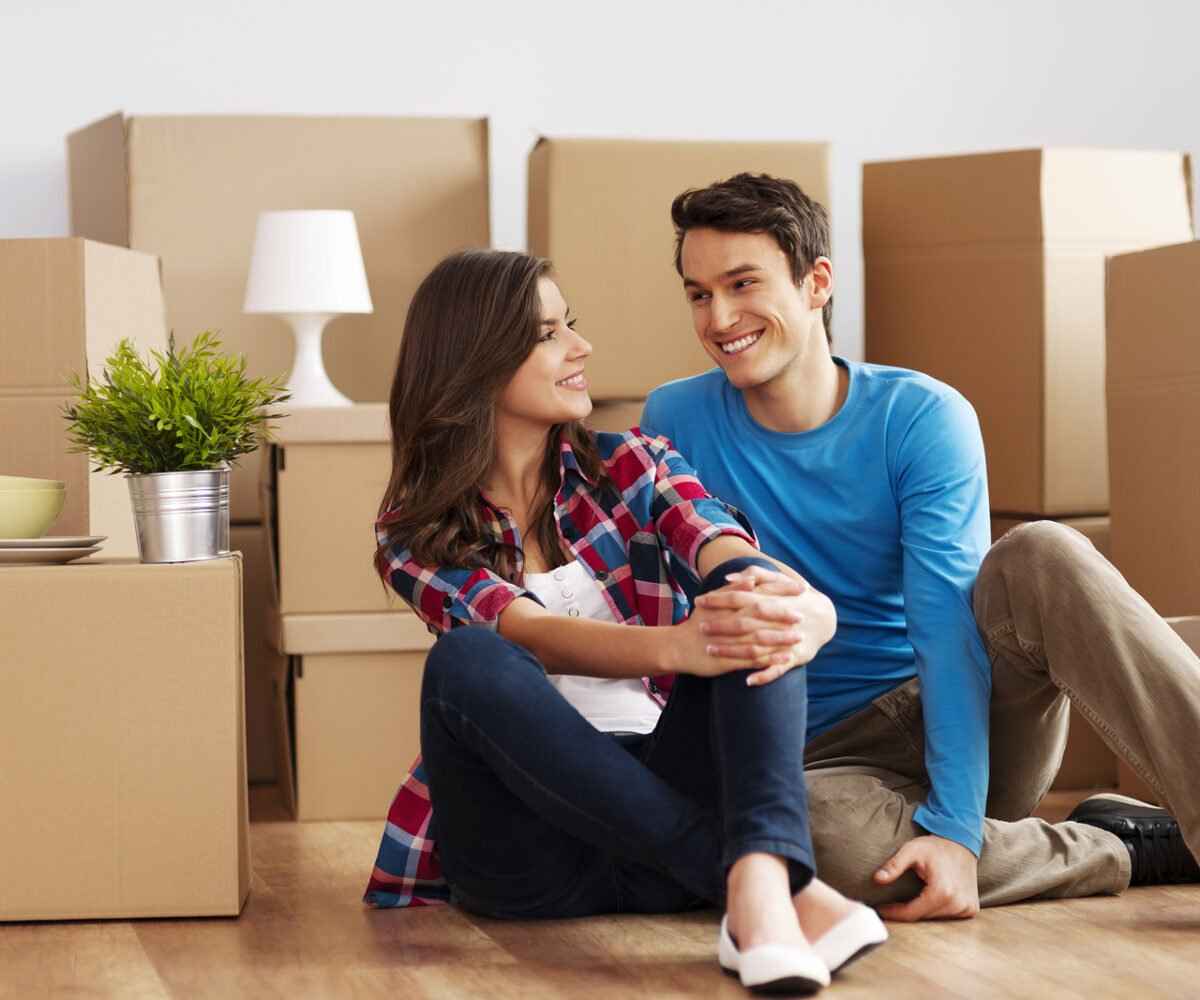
x: 181, y: 516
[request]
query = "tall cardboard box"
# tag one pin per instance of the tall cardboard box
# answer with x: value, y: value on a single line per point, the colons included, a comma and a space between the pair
x: 1087, y: 762
x: 987, y: 272
x: 600, y: 209
x: 356, y: 690
x: 330, y: 470
x: 122, y: 748
x: 190, y: 187
x: 1154, y: 423
x: 64, y: 306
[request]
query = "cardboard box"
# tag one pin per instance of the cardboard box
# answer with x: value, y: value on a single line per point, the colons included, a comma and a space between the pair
x: 1154, y: 423
x: 616, y: 416
x: 332, y: 467
x: 1129, y: 781
x: 189, y: 188
x: 356, y: 688
x: 987, y: 272
x: 265, y: 666
x: 600, y: 209
x: 64, y: 306
x: 122, y: 747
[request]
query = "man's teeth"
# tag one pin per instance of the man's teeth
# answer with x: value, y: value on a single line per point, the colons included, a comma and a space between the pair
x: 574, y: 382
x: 740, y: 344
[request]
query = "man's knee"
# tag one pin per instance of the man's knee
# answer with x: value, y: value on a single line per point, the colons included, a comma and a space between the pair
x: 1037, y: 547
x: 857, y: 824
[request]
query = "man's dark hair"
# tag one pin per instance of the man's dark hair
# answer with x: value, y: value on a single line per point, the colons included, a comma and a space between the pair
x: 759, y: 203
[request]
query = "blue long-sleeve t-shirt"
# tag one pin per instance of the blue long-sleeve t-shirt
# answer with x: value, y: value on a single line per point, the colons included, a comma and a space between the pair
x: 883, y: 508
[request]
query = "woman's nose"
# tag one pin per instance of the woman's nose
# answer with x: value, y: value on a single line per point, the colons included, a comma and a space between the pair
x: 582, y: 348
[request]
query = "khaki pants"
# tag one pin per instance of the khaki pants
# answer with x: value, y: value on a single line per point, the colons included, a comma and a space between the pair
x: 1059, y: 622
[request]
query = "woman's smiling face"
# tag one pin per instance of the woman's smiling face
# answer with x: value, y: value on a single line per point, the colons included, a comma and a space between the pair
x: 550, y: 387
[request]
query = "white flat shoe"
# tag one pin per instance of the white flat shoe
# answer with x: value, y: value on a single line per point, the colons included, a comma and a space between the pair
x: 772, y: 968
x: 851, y: 938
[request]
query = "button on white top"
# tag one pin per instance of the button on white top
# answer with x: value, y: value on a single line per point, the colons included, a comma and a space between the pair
x: 608, y: 703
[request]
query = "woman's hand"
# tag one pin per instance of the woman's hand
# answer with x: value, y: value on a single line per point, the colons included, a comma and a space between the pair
x: 766, y: 619
x: 713, y: 641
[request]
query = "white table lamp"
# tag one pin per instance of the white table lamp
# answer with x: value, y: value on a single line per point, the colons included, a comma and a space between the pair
x: 307, y: 267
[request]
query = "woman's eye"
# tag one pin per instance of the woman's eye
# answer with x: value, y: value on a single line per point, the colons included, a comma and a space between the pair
x: 548, y: 335
x: 571, y: 323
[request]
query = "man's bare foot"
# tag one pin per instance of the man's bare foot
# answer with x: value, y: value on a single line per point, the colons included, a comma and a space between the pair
x: 818, y: 907
x: 759, y: 905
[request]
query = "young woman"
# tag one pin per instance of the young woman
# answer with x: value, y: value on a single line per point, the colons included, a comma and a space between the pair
x: 553, y: 781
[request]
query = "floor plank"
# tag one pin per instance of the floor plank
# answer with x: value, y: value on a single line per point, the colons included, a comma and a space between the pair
x: 305, y: 933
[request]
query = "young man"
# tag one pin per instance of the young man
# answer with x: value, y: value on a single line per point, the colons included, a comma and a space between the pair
x: 872, y: 479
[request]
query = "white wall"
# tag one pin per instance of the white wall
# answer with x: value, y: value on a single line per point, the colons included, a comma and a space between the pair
x: 878, y: 79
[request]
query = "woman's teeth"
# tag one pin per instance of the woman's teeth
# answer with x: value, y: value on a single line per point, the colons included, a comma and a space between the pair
x: 574, y: 382
x: 739, y: 345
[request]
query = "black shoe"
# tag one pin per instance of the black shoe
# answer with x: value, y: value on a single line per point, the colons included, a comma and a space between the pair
x: 1156, y: 848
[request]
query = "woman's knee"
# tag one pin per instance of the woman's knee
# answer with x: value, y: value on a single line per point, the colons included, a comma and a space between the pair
x: 470, y: 660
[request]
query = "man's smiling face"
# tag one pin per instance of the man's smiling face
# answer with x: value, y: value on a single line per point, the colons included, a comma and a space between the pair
x: 750, y: 315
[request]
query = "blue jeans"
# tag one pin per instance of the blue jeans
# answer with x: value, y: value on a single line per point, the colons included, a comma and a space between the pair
x: 539, y: 814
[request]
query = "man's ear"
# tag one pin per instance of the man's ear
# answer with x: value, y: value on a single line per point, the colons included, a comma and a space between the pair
x: 822, y: 282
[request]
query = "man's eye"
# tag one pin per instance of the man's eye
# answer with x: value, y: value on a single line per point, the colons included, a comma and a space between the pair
x: 744, y: 282
x: 698, y: 296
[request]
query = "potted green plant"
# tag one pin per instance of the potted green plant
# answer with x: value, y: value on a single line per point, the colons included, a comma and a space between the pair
x: 173, y: 428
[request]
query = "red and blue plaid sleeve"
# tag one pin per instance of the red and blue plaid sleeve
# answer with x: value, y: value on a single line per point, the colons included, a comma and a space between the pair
x: 685, y: 515
x: 446, y: 596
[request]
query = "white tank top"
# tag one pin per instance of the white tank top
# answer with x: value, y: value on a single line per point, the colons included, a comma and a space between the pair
x: 610, y: 704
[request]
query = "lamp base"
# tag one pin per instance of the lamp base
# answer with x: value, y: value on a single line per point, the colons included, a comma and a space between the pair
x: 309, y: 384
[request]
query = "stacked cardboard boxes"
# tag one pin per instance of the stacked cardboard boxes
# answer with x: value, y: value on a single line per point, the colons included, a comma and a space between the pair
x: 122, y: 754
x: 65, y: 304
x: 190, y: 188
x: 354, y: 651
x: 987, y: 272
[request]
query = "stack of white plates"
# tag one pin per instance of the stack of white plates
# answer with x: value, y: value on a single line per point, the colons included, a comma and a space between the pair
x: 60, y: 549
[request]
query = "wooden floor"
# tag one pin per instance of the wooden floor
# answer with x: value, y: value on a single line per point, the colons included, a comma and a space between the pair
x: 304, y: 933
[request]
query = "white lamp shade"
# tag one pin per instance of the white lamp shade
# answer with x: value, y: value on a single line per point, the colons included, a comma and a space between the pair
x: 307, y: 262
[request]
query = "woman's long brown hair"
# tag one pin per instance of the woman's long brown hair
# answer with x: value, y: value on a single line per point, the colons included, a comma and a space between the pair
x: 470, y: 326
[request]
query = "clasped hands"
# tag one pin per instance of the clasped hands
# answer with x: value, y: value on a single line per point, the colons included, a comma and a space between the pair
x: 759, y: 619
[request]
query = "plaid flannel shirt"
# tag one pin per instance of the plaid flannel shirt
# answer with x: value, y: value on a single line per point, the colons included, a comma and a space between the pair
x: 634, y: 544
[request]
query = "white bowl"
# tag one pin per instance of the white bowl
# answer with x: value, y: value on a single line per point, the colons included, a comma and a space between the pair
x: 29, y: 513
x: 28, y: 483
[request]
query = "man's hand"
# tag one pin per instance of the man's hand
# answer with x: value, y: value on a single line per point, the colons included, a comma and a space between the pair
x: 766, y: 612
x: 950, y: 874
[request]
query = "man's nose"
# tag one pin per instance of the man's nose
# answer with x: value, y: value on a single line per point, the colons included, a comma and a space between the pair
x: 722, y: 314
